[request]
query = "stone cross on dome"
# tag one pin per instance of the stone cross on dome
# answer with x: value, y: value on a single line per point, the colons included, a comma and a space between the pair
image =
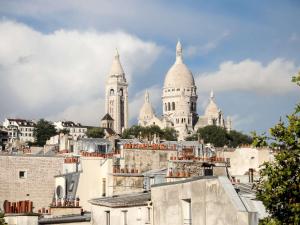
x: 178, y: 52
x: 212, y: 95
x: 146, y: 96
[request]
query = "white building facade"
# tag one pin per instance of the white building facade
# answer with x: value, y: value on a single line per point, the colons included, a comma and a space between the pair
x: 76, y: 130
x: 179, y: 102
x: 19, y: 129
x: 116, y: 96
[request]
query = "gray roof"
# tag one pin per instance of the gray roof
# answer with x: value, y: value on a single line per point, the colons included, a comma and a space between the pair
x: 66, y: 219
x: 128, y: 200
x: 94, y: 140
x: 162, y: 171
x: 107, y: 117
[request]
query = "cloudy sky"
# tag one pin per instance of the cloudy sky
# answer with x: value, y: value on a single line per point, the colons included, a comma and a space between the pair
x: 55, y: 55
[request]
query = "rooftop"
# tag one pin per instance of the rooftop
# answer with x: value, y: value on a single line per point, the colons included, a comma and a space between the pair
x: 128, y: 200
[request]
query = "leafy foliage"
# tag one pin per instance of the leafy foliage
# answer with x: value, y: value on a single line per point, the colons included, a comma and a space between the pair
x: 279, y: 184
x: 43, y: 131
x: 150, y: 132
x: 95, y: 132
x: 64, y: 131
x: 170, y: 134
x: 219, y: 137
x: 2, y: 221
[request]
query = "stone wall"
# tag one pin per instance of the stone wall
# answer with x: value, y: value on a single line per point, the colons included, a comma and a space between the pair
x: 145, y: 160
x: 127, y: 184
x: 36, y: 184
x: 195, y: 168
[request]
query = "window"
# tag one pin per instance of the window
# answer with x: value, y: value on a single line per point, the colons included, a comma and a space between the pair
x: 111, y: 92
x: 139, y: 214
x: 169, y: 106
x: 173, y: 105
x: 59, y: 191
x: 186, y: 211
x: 107, y: 217
x: 22, y: 174
x: 124, y: 217
x: 103, y: 187
x: 148, y: 215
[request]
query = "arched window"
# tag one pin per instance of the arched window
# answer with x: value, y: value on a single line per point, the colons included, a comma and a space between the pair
x: 111, y: 92
x: 166, y: 108
x: 169, y: 106
x: 173, y: 105
x: 121, y: 92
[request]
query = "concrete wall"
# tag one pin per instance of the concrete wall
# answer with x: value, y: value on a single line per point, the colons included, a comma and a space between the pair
x: 94, y: 170
x: 38, y: 183
x: 213, y: 201
x: 244, y: 158
x: 21, y: 220
x: 135, y: 215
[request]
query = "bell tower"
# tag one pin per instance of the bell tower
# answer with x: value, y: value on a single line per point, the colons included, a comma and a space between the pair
x: 116, y: 96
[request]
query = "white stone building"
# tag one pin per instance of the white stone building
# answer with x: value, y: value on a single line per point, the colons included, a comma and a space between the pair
x: 179, y: 102
x: 19, y: 129
x: 116, y: 96
x: 76, y: 130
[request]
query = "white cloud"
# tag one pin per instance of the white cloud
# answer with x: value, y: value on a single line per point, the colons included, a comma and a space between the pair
x: 65, y: 70
x: 252, y: 76
x: 194, y: 50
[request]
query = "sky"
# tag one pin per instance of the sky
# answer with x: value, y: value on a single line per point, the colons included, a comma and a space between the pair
x: 55, y: 56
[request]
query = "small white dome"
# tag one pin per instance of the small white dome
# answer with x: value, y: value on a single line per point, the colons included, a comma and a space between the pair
x: 179, y: 75
x: 212, y: 109
x: 146, y: 112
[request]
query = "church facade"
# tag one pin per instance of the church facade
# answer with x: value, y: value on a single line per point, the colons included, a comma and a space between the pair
x: 179, y: 103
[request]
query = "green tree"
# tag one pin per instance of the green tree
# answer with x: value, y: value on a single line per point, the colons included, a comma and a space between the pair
x: 43, y: 131
x: 279, y: 184
x: 219, y: 137
x: 133, y: 132
x: 64, y: 131
x: 236, y: 138
x: 170, y: 134
x: 149, y: 132
x: 95, y: 132
x: 213, y: 134
x: 2, y: 221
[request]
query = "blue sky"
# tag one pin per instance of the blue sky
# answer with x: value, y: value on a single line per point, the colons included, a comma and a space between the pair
x: 244, y: 50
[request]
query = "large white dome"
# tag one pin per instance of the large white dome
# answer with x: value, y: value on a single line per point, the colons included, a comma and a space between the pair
x: 179, y: 74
